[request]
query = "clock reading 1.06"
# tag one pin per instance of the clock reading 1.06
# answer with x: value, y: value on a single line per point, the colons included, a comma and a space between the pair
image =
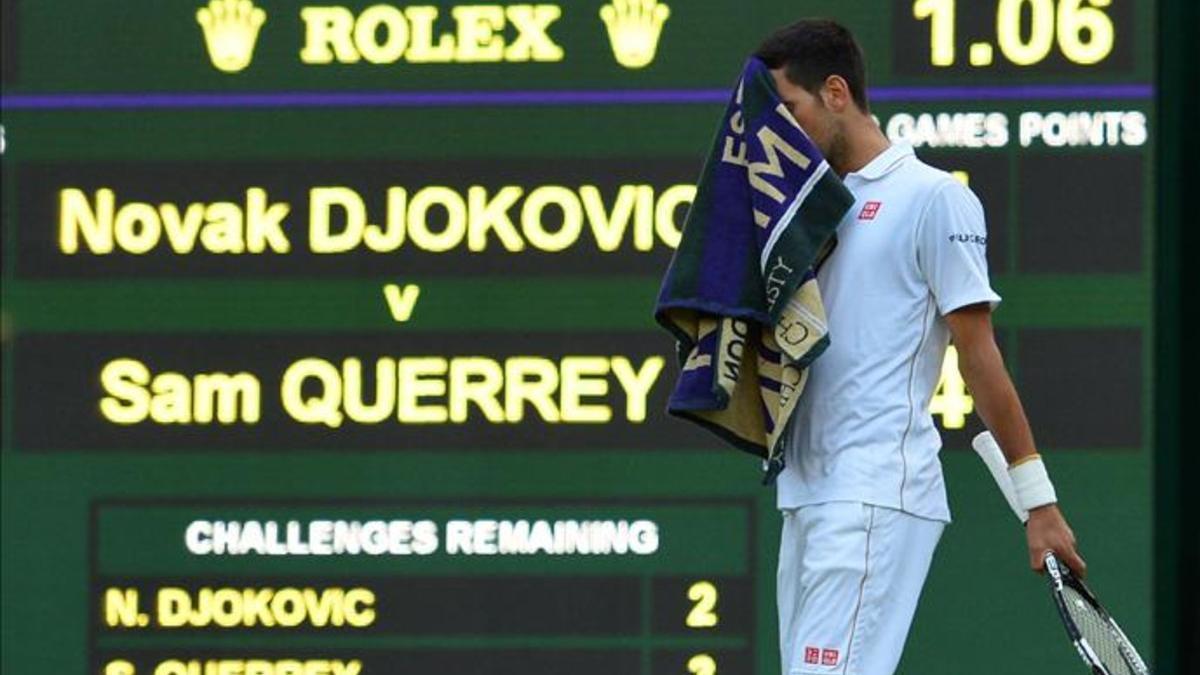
x: 1012, y: 34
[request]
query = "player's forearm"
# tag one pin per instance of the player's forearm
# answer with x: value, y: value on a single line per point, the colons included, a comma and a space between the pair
x: 996, y: 399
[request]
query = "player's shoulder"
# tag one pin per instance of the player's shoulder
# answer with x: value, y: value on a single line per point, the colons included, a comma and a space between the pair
x: 925, y: 177
x: 936, y: 187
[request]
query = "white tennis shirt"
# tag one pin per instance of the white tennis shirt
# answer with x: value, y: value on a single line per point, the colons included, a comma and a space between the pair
x: 910, y: 250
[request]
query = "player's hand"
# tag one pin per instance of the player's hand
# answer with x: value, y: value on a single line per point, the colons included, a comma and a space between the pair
x: 1047, y: 530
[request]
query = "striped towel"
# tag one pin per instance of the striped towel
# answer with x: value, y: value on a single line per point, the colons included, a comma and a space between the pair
x: 740, y: 295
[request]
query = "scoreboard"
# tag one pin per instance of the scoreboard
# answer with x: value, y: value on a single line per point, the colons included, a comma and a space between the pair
x: 327, y: 338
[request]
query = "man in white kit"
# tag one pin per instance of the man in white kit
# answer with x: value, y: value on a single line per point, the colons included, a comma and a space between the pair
x: 862, y: 495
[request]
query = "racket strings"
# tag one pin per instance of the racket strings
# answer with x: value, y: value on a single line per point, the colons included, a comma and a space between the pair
x: 1095, y: 628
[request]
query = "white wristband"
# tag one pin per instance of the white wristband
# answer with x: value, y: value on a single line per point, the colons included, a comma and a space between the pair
x: 1032, y: 484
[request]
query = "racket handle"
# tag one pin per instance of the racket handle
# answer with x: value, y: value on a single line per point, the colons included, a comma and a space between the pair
x: 989, y: 451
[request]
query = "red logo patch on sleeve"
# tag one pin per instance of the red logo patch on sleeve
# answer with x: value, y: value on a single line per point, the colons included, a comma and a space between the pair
x: 829, y: 657
x: 812, y: 655
x: 869, y: 210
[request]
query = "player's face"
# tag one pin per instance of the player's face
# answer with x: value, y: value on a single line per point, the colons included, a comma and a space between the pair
x: 809, y: 110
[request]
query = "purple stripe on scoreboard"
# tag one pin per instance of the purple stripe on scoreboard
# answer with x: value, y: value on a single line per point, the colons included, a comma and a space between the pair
x: 419, y: 99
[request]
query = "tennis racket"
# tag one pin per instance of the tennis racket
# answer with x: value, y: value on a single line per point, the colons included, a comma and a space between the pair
x: 1096, y: 636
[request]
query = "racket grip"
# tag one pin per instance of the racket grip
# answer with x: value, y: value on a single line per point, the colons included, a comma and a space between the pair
x: 989, y: 451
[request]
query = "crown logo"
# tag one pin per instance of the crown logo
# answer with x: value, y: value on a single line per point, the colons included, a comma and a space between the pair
x: 634, y: 27
x: 230, y: 31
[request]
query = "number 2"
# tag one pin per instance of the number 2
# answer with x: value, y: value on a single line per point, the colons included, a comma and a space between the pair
x: 704, y: 594
x: 702, y: 664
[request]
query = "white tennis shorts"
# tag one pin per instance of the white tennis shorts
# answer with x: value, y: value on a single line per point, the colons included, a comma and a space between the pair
x: 850, y: 575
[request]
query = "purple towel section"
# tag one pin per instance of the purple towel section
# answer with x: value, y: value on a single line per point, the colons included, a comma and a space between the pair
x: 695, y: 389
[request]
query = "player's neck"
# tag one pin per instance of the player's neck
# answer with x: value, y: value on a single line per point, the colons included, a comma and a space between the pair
x: 864, y: 142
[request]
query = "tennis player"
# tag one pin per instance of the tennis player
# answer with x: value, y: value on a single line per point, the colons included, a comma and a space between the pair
x: 862, y: 496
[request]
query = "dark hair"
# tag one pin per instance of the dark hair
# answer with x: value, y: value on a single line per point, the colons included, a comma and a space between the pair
x: 814, y: 49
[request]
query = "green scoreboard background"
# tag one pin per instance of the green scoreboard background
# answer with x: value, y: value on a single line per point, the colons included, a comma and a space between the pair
x: 327, y: 337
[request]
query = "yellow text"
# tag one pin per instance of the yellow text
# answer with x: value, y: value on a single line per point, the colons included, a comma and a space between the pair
x: 439, y: 390
x: 135, y: 395
x: 384, y: 34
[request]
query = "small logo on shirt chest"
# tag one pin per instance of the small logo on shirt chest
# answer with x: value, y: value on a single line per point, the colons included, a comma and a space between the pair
x: 869, y: 210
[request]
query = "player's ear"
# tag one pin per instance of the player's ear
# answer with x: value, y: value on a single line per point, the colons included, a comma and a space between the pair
x: 835, y: 94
